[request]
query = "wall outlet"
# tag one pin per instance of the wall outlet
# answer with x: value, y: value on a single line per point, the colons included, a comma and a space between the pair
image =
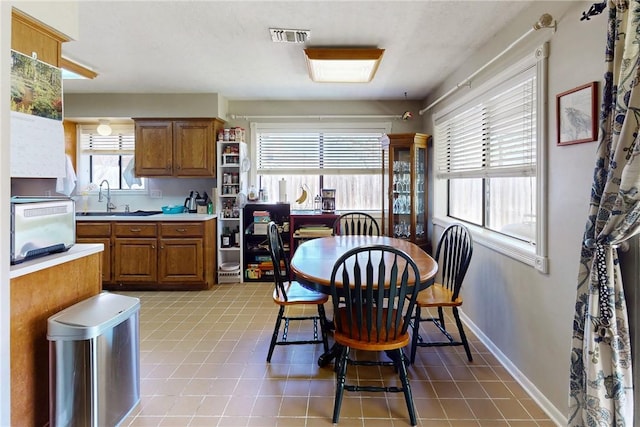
x: 155, y: 194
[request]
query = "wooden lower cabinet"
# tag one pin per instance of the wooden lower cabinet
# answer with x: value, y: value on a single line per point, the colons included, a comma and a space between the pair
x: 161, y: 255
x: 98, y: 232
x: 135, y: 260
x: 182, y: 253
x: 181, y: 260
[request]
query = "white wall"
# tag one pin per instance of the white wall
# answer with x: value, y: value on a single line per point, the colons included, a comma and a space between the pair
x: 131, y: 105
x: 5, y: 47
x: 525, y: 314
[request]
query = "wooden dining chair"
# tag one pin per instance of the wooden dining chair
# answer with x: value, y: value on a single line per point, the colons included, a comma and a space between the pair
x: 288, y: 293
x: 356, y: 223
x: 453, y: 255
x: 373, y: 298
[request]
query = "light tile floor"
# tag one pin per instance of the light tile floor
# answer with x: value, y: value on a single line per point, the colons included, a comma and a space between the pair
x: 203, y: 363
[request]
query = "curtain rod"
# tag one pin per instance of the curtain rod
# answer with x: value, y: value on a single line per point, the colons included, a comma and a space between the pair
x: 545, y: 21
x: 321, y: 116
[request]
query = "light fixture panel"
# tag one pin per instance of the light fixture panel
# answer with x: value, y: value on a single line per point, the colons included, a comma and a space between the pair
x: 343, y: 65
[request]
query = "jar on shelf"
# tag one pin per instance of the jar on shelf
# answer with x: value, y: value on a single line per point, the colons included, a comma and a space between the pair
x: 317, y: 204
x: 252, y: 195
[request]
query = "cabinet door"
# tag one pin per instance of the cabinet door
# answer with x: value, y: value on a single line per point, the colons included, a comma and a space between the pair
x: 194, y: 148
x: 181, y: 260
x: 135, y: 260
x: 154, y: 148
x: 106, y: 255
x: 97, y: 232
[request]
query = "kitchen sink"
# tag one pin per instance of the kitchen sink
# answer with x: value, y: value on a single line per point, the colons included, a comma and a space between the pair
x: 134, y: 213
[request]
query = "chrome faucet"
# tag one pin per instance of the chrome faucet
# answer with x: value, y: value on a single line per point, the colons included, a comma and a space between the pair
x: 110, y: 206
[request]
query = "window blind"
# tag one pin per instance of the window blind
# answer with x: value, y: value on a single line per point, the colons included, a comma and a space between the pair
x: 495, y: 137
x: 325, y: 151
x: 120, y: 142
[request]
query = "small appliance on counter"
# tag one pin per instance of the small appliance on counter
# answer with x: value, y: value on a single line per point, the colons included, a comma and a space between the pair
x: 328, y: 200
x: 41, y: 226
x: 190, y: 203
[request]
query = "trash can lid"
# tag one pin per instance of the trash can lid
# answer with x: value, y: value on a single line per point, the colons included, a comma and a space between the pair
x: 91, y: 317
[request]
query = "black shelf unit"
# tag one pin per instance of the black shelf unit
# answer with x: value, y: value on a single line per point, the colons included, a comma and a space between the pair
x: 257, y: 266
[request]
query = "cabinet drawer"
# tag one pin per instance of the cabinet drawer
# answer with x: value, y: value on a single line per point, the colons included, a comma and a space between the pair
x: 93, y: 229
x: 135, y: 229
x: 182, y: 229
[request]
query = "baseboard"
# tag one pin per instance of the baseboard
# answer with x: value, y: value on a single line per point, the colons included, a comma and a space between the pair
x: 556, y: 416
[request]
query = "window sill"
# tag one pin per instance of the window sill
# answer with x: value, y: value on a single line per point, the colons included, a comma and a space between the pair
x: 508, y: 246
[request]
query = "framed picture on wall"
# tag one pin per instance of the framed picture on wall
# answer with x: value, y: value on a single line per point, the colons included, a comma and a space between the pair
x: 577, y: 115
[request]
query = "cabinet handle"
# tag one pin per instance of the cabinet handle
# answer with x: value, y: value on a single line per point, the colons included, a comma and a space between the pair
x: 181, y: 230
x: 135, y: 230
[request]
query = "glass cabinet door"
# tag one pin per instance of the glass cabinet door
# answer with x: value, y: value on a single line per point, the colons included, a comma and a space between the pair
x: 402, y: 200
x: 419, y: 194
x: 405, y: 195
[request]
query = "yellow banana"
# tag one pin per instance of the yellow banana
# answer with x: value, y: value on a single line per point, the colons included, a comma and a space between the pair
x: 302, y: 197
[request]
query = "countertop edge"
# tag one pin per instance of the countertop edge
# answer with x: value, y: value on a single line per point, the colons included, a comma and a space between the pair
x: 79, y: 250
x: 155, y: 218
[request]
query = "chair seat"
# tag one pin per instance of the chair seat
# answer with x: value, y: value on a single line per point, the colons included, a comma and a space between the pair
x: 437, y: 295
x: 298, y: 294
x: 359, y: 339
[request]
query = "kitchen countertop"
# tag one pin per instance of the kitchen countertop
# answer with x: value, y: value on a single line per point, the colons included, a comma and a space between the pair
x: 156, y: 217
x: 78, y: 250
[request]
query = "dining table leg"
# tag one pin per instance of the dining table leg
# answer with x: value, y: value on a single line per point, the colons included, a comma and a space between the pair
x: 327, y: 357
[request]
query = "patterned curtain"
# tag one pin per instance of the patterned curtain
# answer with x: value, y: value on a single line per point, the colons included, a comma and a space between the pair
x: 601, y: 383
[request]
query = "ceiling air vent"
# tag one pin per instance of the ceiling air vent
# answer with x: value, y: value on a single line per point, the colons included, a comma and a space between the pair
x: 281, y: 35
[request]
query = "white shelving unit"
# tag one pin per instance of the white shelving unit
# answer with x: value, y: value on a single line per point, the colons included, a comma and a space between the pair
x: 231, y: 187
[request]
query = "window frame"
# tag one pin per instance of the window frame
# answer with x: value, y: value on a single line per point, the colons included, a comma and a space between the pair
x: 382, y: 127
x: 532, y: 255
x: 84, y: 185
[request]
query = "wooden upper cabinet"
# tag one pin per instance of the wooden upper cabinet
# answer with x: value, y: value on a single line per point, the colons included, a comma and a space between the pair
x: 180, y: 147
x: 154, y: 148
x: 29, y: 36
x: 194, y: 146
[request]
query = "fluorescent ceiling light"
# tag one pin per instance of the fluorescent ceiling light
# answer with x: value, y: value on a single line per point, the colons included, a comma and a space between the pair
x: 342, y: 65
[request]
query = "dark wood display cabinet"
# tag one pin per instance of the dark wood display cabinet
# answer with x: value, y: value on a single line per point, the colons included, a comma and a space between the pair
x: 404, y: 177
x: 257, y: 265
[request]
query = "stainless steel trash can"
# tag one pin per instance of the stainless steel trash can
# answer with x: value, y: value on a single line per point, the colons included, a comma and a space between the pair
x: 94, y: 361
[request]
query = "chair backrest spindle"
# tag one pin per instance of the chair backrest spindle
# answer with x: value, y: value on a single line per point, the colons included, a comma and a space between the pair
x: 356, y: 223
x: 453, y: 255
x: 372, y: 295
x: 279, y: 259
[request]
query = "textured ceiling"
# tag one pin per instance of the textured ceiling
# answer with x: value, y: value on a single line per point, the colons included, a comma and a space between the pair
x: 225, y: 47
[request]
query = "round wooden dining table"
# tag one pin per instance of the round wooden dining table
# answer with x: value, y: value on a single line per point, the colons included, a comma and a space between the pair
x: 313, y: 260
x: 312, y: 264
